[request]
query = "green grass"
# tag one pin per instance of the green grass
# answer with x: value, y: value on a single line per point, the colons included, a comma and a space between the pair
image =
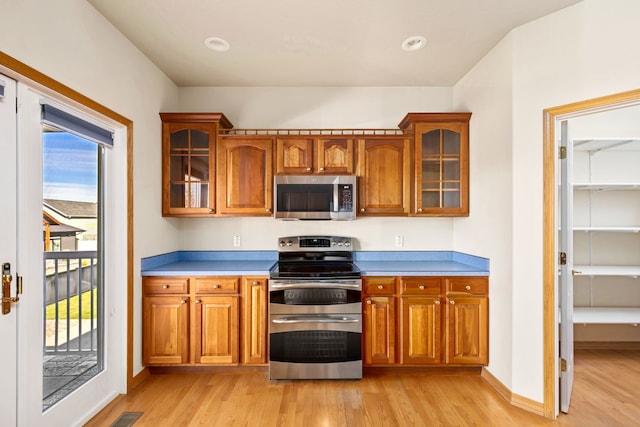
x: 73, y: 307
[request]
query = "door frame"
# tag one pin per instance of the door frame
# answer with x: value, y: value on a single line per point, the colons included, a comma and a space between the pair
x: 19, y: 71
x: 550, y: 257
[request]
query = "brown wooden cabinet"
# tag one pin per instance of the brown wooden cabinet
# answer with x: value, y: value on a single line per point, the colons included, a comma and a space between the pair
x: 420, y: 321
x: 165, y: 321
x: 245, y: 175
x: 254, y: 321
x: 441, y: 321
x: 467, y: 317
x: 379, y: 321
x: 441, y: 168
x: 216, y: 330
x: 188, y: 162
x: 190, y: 320
x: 298, y: 155
x: 384, y: 171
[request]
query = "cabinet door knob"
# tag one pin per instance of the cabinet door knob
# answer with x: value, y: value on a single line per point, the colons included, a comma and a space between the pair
x: 452, y: 302
x: 468, y: 287
x: 369, y: 301
x: 421, y: 287
x: 165, y: 286
x: 254, y: 283
x: 308, y: 169
x: 184, y: 301
x: 380, y: 287
x: 437, y: 302
x: 267, y: 210
x: 321, y: 169
x: 197, y: 301
x: 211, y: 210
x: 419, y: 210
x: 362, y: 210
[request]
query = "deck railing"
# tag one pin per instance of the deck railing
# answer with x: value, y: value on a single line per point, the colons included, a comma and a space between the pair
x: 71, y: 297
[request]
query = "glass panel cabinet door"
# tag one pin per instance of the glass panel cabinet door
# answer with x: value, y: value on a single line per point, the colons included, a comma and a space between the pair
x: 441, y: 175
x: 189, y: 168
x: 188, y: 162
x: 441, y: 149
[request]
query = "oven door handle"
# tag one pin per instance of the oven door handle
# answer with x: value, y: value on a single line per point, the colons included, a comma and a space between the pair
x: 315, y: 319
x: 306, y: 285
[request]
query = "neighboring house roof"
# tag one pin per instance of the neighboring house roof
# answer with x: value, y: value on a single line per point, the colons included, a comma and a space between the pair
x: 64, y: 230
x: 72, y: 209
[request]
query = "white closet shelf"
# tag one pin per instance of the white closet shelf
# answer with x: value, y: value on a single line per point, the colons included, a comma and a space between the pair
x: 605, y: 186
x: 607, y: 270
x: 607, y: 229
x: 606, y: 315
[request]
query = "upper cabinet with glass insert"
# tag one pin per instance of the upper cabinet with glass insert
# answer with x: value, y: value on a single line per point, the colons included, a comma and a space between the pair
x: 188, y: 162
x: 441, y: 173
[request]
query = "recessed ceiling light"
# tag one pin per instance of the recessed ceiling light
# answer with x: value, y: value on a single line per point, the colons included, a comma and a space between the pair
x: 217, y: 44
x: 414, y: 43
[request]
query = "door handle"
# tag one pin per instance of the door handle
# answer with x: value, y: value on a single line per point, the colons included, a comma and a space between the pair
x: 7, y: 278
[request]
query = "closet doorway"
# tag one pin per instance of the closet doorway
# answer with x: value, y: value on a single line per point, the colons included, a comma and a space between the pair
x: 592, y: 239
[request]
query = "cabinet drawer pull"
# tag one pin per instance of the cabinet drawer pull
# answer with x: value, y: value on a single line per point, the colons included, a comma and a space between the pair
x: 421, y: 287
x: 254, y: 283
x: 267, y: 210
x: 165, y: 286
x: 216, y: 286
x: 380, y: 287
x: 321, y: 169
x: 468, y: 287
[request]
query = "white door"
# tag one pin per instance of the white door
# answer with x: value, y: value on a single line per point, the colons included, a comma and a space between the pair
x: 566, y: 268
x: 8, y: 322
x: 81, y: 405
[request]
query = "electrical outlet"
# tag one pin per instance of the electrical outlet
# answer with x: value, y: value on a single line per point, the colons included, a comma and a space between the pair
x: 399, y: 241
x: 236, y: 240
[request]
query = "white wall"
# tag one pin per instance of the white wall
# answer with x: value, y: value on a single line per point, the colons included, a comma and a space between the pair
x: 486, y: 91
x: 316, y: 107
x: 582, y: 52
x: 69, y: 41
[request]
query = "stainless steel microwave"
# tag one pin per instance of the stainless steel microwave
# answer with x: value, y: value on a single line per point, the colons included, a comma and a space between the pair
x: 320, y: 197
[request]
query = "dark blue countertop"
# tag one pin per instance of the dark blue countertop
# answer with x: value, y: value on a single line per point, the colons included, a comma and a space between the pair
x: 258, y: 263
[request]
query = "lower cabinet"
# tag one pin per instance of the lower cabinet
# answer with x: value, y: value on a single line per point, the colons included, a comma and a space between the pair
x: 254, y: 321
x: 216, y: 330
x: 196, y: 320
x: 440, y: 321
x: 379, y: 321
x: 165, y: 325
x: 420, y: 321
x: 467, y: 317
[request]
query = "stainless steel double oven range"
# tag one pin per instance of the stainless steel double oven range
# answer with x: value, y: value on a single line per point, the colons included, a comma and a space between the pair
x: 315, y: 310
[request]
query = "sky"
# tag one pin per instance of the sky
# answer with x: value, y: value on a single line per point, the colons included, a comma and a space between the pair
x: 69, y: 167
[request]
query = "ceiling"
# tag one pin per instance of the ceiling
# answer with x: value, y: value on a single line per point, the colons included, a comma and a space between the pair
x: 319, y: 42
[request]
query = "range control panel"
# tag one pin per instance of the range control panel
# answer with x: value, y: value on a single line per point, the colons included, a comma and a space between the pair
x: 315, y: 243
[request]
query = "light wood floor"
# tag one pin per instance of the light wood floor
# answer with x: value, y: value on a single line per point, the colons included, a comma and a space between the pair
x: 606, y: 393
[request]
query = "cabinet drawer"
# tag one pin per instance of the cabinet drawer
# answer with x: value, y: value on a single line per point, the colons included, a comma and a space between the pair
x: 468, y: 285
x: 165, y: 285
x: 217, y: 285
x: 379, y: 285
x: 420, y: 286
